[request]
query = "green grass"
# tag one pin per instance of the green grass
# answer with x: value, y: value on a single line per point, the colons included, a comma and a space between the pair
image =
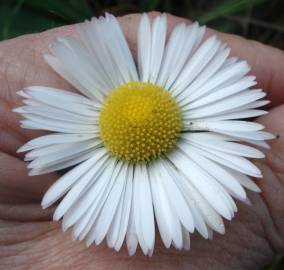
x: 261, y: 20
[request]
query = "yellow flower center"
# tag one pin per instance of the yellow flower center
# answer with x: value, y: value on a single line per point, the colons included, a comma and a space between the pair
x: 139, y: 121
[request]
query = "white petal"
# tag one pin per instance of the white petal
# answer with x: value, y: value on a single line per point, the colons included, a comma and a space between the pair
x: 181, y: 43
x: 237, y: 163
x: 125, y: 216
x: 162, y: 209
x: 74, y: 59
x: 124, y: 46
x: 235, y: 115
x: 114, y: 54
x: 226, y: 147
x: 159, y: 29
x: 224, y: 105
x: 222, y: 93
x: 231, y: 60
x: 77, y: 190
x: 89, y: 204
x: 195, y: 64
x: 51, y: 92
x: 226, y: 126
x: 255, y: 104
x: 219, y: 173
x: 181, y: 182
x: 169, y: 224
x: 245, y: 181
x: 254, y: 135
x: 63, y: 184
x: 93, y: 74
x: 209, y: 71
x: 52, y: 139
x: 64, y: 158
x: 262, y: 144
x: 177, y: 235
x: 207, y: 136
x: 56, y: 98
x: 94, y: 40
x: 91, y: 194
x: 108, y: 211
x: 113, y: 231
x: 224, y: 77
x: 50, y: 155
x: 43, y: 123
x: 206, y: 185
x: 91, y: 231
x: 57, y: 114
x: 176, y: 199
x: 76, y: 159
x: 144, y: 44
x: 173, y: 49
x: 131, y: 234
x: 119, y: 53
x: 60, y: 68
x: 106, y: 43
x: 186, y: 239
x: 143, y: 207
x: 23, y: 94
x: 211, y: 217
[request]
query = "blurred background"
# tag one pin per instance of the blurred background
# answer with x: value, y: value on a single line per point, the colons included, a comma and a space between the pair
x: 262, y: 20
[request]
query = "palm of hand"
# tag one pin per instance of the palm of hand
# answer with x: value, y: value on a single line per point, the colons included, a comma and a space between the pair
x: 29, y: 240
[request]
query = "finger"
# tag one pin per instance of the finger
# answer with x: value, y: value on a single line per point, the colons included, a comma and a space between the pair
x: 25, y: 212
x: 17, y: 237
x: 274, y: 122
x: 15, y: 184
x: 272, y: 184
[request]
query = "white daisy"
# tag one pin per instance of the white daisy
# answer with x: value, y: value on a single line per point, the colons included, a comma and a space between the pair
x: 161, y: 142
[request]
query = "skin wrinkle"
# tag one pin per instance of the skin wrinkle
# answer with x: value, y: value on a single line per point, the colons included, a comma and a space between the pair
x: 7, y: 196
x: 241, y: 241
x: 232, y: 253
x: 269, y: 242
x: 271, y: 169
x: 10, y: 251
x: 273, y: 237
x: 245, y: 242
x: 34, y: 187
x: 24, y: 232
x: 275, y: 234
x: 274, y: 157
x: 25, y: 213
x: 10, y: 141
x: 21, y: 256
x: 29, y: 67
x: 5, y: 75
x: 9, y: 123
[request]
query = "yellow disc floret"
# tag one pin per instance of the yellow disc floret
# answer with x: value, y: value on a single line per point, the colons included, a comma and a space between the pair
x: 139, y: 121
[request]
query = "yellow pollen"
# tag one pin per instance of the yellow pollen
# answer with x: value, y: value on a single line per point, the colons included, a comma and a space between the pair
x: 139, y: 122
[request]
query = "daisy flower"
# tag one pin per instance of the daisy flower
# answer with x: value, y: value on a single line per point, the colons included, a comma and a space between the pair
x: 160, y: 138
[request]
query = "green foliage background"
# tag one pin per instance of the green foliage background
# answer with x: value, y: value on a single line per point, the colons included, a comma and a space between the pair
x: 262, y: 20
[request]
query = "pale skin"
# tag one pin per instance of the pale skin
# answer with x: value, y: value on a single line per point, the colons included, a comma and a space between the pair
x: 30, y: 240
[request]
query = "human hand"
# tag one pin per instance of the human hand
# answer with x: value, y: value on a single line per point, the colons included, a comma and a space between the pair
x: 29, y: 240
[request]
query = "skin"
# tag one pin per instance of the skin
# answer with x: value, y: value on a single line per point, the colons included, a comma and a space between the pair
x: 30, y: 240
